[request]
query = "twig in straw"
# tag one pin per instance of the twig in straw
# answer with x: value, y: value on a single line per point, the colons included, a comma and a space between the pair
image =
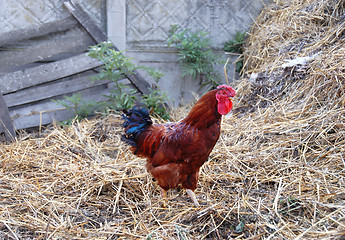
x: 9, y: 228
x: 226, y: 75
x: 118, y: 192
x: 318, y: 222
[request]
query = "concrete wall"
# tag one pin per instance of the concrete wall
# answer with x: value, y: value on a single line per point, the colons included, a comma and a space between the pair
x: 147, y: 29
x: 141, y: 27
x: 148, y: 21
x: 18, y: 14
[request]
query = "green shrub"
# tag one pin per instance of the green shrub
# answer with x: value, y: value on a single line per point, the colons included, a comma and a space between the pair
x: 80, y: 108
x: 117, y: 66
x: 156, y: 103
x: 236, y: 46
x: 195, y: 55
x: 120, y: 97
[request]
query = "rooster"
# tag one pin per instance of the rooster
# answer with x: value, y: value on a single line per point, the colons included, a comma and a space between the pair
x: 176, y: 151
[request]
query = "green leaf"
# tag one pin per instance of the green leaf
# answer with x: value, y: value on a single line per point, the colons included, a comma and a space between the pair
x: 196, y: 56
x: 239, y: 228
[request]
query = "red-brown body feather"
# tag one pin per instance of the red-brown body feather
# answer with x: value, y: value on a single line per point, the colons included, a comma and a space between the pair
x: 176, y: 151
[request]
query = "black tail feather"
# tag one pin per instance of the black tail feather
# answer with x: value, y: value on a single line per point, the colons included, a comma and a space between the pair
x: 135, y: 121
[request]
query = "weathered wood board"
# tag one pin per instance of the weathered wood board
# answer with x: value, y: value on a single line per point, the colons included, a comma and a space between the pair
x: 33, y: 76
x: 97, y: 34
x: 42, y: 64
x: 39, y: 65
x: 37, y: 31
x: 56, y: 49
x: 6, y: 124
x: 47, y: 91
x: 45, y: 112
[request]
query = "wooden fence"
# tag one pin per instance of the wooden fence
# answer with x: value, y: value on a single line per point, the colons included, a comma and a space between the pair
x: 42, y: 64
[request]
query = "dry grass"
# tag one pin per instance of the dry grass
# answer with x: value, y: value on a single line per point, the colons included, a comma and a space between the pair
x: 277, y: 172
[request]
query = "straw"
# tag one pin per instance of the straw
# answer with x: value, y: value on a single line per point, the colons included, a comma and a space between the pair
x: 277, y: 171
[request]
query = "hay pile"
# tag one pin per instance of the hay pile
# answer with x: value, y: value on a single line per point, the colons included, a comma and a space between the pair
x: 277, y: 172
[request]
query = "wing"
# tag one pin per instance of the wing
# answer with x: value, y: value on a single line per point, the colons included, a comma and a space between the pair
x: 162, y: 144
x: 149, y: 141
x: 173, y: 146
x: 185, y: 144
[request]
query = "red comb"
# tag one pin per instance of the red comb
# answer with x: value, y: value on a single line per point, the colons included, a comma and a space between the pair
x: 230, y: 89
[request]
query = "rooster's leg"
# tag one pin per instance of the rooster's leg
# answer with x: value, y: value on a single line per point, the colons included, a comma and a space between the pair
x: 193, y: 197
x: 164, y: 197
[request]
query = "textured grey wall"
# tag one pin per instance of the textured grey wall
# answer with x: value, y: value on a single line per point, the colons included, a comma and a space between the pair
x: 141, y: 27
x: 18, y: 14
x: 148, y: 21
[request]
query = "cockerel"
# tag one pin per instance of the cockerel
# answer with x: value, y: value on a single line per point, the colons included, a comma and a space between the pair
x: 176, y: 151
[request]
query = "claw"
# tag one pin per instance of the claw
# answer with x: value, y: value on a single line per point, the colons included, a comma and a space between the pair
x: 164, y: 197
x: 193, y: 197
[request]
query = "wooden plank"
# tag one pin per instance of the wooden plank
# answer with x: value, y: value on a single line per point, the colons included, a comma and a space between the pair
x: 36, y: 31
x: 5, y: 120
x: 42, y: 118
x: 46, y: 72
x: 45, y: 112
x: 52, y: 90
x: 84, y: 19
x: 77, y: 43
x: 139, y: 82
x: 99, y: 36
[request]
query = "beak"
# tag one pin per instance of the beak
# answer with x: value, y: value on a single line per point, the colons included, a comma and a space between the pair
x: 231, y: 98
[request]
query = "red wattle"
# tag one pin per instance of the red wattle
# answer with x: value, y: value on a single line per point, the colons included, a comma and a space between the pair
x: 224, y: 107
